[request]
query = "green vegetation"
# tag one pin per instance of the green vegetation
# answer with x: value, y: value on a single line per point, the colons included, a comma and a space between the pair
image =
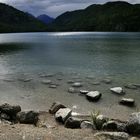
x: 112, y: 16
x: 13, y: 20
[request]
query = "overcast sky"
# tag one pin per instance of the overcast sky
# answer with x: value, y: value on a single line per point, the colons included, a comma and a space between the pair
x: 54, y: 7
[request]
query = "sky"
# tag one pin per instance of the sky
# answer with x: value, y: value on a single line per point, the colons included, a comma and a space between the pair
x: 54, y: 8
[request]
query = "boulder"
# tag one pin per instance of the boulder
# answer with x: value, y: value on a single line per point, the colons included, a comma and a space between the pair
x: 100, y: 120
x: 73, y: 123
x: 111, y: 136
x: 77, y: 84
x: 29, y: 117
x: 117, y: 90
x: 110, y: 126
x: 4, y: 116
x: 121, y: 127
x: 63, y: 114
x: 127, y: 101
x: 87, y: 125
x: 93, y: 95
x: 84, y: 91
x: 9, y: 109
x: 133, y: 124
x: 55, y: 107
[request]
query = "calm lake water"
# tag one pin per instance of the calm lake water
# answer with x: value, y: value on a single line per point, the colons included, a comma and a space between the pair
x: 78, y: 56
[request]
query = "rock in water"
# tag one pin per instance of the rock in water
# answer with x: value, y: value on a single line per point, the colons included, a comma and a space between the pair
x: 47, y: 82
x: 29, y: 117
x: 63, y: 114
x: 133, y: 124
x: 55, y: 107
x: 93, y: 95
x: 117, y: 90
x: 111, y: 136
x: 9, y: 109
x: 130, y: 86
x: 72, y: 122
x: 127, y: 101
x: 107, y: 81
x: 77, y: 84
x: 84, y: 92
x: 71, y: 90
x: 53, y: 86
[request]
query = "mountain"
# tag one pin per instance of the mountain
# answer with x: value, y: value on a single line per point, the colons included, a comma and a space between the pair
x: 45, y: 19
x: 14, y: 20
x: 111, y: 16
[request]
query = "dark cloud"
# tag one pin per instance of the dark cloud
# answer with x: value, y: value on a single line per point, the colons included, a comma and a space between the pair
x: 54, y: 7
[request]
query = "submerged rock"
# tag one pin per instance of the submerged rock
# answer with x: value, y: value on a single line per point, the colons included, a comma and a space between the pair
x: 55, y: 107
x: 25, y: 79
x: 72, y: 90
x: 52, y: 86
x: 95, y: 83
x: 133, y: 124
x: 84, y: 91
x: 130, y: 86
x: 70, y: 81
x: 107, y: 81
x: 137, y: 85
x: 93, y: 95
x: 77, y: 84
x: 111, y: 136
x: 29, y: 117
x: 127, y: 101
x: 47, y: 82
x: 117, y: 90
x: 63, y: 114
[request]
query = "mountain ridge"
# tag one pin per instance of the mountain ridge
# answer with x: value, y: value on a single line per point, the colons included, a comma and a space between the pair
x: 14, y: 20
x: 111, y: 16
x: 45, y: 18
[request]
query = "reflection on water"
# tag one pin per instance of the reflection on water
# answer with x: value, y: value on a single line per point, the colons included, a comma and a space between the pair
x: 9, y: 48
x: 98, y: 55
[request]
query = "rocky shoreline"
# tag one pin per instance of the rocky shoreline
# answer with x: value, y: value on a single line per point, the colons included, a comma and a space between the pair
x: 60, y: 116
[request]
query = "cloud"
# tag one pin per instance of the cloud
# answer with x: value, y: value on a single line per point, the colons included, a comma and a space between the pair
x: 54, y: 7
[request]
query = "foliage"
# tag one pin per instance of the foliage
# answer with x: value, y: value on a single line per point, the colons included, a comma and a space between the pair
x: 94, y: 115
x: 13, y: 20
x: 112, y: 16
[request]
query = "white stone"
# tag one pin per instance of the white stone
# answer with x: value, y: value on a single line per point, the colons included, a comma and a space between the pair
x: 77, y: 84
x: 84, y: 91
x: 117, y: 90
x: 63, y: 114
x: 93, y: 95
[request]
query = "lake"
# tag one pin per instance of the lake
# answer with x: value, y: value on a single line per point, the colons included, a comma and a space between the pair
x: 27, y: 59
